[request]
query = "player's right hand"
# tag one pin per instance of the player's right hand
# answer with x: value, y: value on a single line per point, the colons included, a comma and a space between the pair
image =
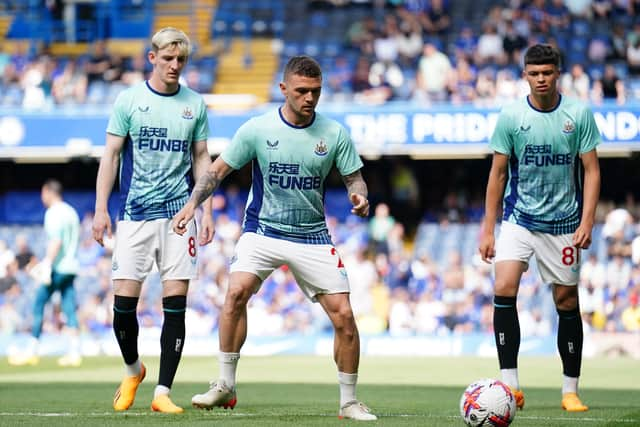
x: 487, y: 247
x: 101, y: 223
x: 182, y: 218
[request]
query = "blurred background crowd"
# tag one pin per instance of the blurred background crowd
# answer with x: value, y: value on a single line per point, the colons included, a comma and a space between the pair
x: 372, y: 51
x: 434, y: 283
x: 413, y: 265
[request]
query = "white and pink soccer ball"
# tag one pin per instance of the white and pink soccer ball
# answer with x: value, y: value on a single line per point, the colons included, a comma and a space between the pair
x: 487, y: 402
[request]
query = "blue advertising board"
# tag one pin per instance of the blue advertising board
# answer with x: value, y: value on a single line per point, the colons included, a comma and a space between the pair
x: 455, y: 131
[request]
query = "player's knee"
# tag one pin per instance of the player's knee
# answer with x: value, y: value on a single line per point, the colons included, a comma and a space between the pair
x: 344, y: 321
x: 567, y: 301
x: 505, y: 288
x: 238, y: 296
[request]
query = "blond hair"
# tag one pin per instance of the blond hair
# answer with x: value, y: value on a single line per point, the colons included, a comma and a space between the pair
x: 169, y: 36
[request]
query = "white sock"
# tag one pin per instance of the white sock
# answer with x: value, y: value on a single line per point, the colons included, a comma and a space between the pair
x: 228, y: 363
x: 569, y: 384
x: 32, y: 346
x: 134, y: 369
x: 74, y: 348
x: 510, y: 378
x: 347, y: 387
x: 161, y: 389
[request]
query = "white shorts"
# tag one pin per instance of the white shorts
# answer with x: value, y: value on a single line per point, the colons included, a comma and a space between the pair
x: 141, y: 243
x: 558, y: 260
x: 317, y: 269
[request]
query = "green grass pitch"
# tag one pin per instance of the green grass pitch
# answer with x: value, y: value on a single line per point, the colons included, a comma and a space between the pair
x: 303, y: 391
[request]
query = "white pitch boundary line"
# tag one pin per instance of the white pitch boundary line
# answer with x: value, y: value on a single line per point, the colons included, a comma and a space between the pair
x: 240, y: 414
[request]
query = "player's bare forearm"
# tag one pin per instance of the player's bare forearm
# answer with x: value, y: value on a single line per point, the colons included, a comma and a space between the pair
x: 201, y: 165
x: 209, y: 181
x: 591, y: 191
x: 355, y: 184
x: 107, y: 170
x: 495, y: 189
x: 205, y: 187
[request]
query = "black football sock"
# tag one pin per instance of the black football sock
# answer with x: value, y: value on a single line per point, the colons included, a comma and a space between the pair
x: 506, y: 328
x: 570, y: 338
x: 172, y: 338
x: 125, y: 326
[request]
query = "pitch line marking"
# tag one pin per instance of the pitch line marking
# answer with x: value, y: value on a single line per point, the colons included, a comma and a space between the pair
x: 239, y: 415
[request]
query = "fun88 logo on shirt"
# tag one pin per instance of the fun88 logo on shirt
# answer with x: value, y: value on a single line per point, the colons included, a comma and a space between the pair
x: 542, y: 156
x: 285, y: 175
x: 155, y: 139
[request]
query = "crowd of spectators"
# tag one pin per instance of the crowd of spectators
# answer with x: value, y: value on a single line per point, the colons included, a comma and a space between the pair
x: 398, y: 287
x: 406, y: 50
x: 418, y: 52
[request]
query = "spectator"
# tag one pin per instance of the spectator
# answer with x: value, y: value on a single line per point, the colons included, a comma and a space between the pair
x: 434, y: 73
x: 70, y: 86
x: 513, y: 43
x: 98, y: 64
x: 24, y: 255
x: 380, y: 226
x: 558, y: 15
x: 609, y: 87
x: 466, y: 43
x: 490, y: 46
x: 409, y: 42
x: 575, y: 83
x: 618, y: 50
x: 631, y: 315
x: 633, y: 50
x: 435, y: 20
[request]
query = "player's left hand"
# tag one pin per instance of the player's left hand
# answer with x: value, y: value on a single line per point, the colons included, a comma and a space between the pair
x: 360, y: 205
x: 182, y: 218
x: 207, y: 229
x: 582, y: 237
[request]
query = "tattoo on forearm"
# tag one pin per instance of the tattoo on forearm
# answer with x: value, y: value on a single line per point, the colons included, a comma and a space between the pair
x: 355, y: 184
x: 205, y: 186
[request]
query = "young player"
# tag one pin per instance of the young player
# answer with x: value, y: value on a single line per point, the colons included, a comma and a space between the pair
x: 540, y: 144
x: 157, y: 135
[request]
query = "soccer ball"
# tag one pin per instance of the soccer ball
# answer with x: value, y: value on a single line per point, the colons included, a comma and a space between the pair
x: 487, y: 402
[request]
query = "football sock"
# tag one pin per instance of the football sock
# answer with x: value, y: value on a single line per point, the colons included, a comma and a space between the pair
x: 228, y: 363
x: 171, y: 338
x: 32, y: 346
x: 160, y: 389
x: 569, y: 384
x: 510, y: 378
x: 134, y: 368
x: 506, y: 327
x: 74, y: 348
x: 347, y: 387
x: 125, y: 326
x: 570, y: 337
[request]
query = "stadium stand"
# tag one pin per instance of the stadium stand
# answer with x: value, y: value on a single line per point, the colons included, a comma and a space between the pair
x: 373, y: 53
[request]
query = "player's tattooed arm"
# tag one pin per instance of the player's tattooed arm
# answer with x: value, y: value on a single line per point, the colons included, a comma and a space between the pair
x: 205, y: 186
x: 355, y: 184
x: 358, y: 193
x: 209, y: 181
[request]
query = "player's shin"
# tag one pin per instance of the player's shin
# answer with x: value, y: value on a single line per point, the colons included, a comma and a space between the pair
x: 171, y: 338
x: 125, y: 327
x: 570, y: 339
x: 506, y: 327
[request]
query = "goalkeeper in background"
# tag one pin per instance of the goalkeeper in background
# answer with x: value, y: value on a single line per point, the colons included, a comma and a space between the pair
x: 56, y: 272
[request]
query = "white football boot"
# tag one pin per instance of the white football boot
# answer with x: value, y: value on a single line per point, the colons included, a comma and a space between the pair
x: 356, y: 410
x: 219, y: 394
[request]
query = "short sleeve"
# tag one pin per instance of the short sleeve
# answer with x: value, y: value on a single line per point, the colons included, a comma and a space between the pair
x: 501, y: 140
x: 119, y: 123
x: 241, y: 150
x: 347, y: 159
x: 201, y: 132
x: 589, y: 133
